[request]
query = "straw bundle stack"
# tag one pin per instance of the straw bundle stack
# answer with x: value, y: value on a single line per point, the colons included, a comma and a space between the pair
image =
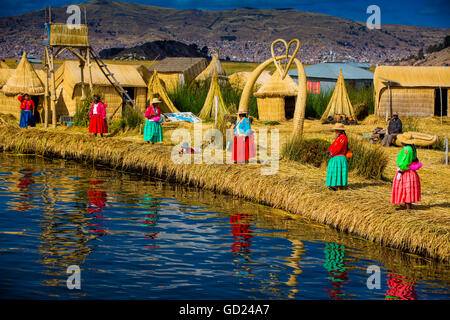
x: 24, y: 80
x: 208, y: 110
x: 214, y: 67
x: 339, y: 102
x: 3, y: 65
x: 156, y: 88
x: 271, y: 97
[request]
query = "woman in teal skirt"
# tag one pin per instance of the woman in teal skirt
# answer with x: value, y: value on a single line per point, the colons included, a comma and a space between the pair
x: 153, y: 129
x: 337, y: 170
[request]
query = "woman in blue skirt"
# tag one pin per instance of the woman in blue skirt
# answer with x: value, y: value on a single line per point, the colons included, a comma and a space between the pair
x: 337, y: 170
x: 153, y: 129
x: 28, y: 109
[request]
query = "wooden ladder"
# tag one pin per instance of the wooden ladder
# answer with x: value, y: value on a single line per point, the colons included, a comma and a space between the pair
x: 116, y: 84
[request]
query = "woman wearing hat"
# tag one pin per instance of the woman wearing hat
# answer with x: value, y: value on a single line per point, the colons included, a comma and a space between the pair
x: 406, y: 185
x: 153, y: 129
x: 337, y: 170
x: 244, y: 144
x: 97, y: 116
x: 28, y: 111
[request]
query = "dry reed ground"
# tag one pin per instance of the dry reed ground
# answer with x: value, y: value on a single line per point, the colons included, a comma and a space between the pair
x: 363, y: 210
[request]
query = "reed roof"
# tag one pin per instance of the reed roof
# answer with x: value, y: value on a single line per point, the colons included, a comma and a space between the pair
x: 239, y: 79
x: 3, y: 65
x: 339, y: 102
x: 277, y: 87
x: 69, y: 73
x: 24, y: 79
x: 214, y: 66
x: 176, y: 64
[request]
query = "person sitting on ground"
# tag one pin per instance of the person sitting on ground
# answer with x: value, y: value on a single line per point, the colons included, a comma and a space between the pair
x: 28, y: 111
x: 394, y: 129
x: 97, y: 115
x: 337, y: 170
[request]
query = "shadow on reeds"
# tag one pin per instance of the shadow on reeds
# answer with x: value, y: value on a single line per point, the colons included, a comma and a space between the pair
x: 362, y: 185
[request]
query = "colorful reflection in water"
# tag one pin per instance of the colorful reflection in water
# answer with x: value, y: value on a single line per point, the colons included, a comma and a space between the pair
x: 137, y: 238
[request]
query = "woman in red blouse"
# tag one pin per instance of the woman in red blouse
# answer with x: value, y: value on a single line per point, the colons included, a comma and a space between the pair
x: 27, y: 114
x: 337, y: 170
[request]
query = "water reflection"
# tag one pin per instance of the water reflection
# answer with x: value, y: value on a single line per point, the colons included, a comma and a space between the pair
x: 151, y: 217
x: 242, y: 235
x: 400, y: 287
x: 337, y: 272
x: 24, y: 185
x: 202, y: 245
x: 97, y: 201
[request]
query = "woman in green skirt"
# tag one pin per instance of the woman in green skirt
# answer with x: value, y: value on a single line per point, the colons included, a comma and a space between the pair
x: 153, y: 129
x: 337, y: 170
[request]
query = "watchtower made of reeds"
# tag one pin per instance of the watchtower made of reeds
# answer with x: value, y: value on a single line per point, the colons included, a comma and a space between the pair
x: 58, y: 38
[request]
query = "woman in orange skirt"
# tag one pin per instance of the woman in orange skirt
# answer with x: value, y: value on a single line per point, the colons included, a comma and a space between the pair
x: 406, y: 185
x: 97, y: 122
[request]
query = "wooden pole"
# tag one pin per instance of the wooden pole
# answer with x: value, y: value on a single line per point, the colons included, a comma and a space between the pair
x: 83, y: 87
x: 46, y: 106
x: 442, y: 128
x: 446, y: 151
x: 88, y: 60
x: 53, y: 88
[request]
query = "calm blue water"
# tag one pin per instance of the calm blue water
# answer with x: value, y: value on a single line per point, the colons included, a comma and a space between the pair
x: 137, y: 238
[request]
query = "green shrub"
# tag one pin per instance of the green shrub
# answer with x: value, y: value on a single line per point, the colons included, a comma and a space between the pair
x: 368, y: 160
x: 81, y: 117
x: 410, y: 125
x: 316, y: 104
x: 132, y: 118
x: 191, y: 98
x: 311, y: 151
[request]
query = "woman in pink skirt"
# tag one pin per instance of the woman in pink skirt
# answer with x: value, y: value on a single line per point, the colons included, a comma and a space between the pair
x: 406, y: 185
x: 97, y: 122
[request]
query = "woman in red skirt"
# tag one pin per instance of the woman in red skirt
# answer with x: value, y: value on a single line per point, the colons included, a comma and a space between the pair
x: 97, y: 122
x: 406, y: 185
x: 244, y: 141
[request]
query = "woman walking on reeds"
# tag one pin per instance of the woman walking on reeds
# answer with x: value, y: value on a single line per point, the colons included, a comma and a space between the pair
x: 28, y: 111
x: 337, y: 170
x: 406, y: 187
x: 153, y: 130
x: 244, y: 143
x: 97, y: 115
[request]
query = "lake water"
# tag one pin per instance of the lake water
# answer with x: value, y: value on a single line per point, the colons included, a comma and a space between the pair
x: 134, y: 237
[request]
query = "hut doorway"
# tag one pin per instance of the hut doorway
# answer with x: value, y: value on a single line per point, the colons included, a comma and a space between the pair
x: 289, y: 107
x: 437, y: 102
x: 131, y: 92
x: 37, y: 115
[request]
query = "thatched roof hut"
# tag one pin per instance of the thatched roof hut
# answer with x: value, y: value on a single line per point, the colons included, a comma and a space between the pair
x: 276, y: 98
x: 208, y: 111
x: 214, y: 66
x: 179, y: 70
x: 69, y: 92
x: 340, y: 102
x: 412, y: 91
x: 24, y: 80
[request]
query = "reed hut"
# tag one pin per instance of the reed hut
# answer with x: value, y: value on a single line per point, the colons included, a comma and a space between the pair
x: 176, y: 72
x: 69, y: 87
x: 208, y: 111
x: 214, y: 67
x: 276, y: 98
x: 339, y: 104
x: 156, y: 89
x: 23, y: 79
x: 239, y: 79
x: 412, y: 91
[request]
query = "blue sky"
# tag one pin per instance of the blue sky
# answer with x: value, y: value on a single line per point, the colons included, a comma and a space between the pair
x: 434, y: 13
